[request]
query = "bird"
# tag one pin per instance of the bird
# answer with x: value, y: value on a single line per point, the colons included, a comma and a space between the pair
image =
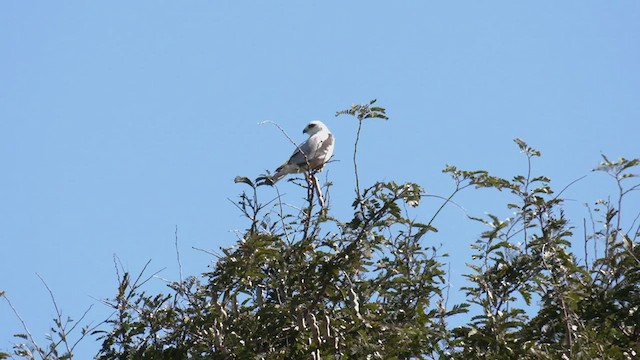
x: 311, y: 155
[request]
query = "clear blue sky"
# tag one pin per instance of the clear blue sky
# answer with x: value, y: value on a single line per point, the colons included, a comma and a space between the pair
x: 120, y: 120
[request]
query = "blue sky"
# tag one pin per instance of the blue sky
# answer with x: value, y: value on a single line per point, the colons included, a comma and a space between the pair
x: 121, y: 120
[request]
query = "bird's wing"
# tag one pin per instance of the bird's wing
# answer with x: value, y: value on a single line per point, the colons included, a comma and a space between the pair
x: 303, y: 153
x: 323, y: 151
x: 311, y: 154
x: 297, y: 163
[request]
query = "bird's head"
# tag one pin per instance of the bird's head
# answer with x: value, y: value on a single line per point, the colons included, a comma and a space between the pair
x: 314, y: 127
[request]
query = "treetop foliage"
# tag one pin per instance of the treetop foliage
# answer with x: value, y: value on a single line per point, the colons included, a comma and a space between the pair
x: 301, y: 283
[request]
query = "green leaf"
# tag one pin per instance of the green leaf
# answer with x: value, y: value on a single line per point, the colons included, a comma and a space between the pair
x: 243, y: 179
x: 526, y: 148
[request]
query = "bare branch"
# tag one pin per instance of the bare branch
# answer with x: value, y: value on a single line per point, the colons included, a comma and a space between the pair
x: 178, y: 255
x: 24, y: 326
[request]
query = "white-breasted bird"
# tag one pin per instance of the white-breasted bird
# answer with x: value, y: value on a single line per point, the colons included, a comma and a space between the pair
x: 311, y: 154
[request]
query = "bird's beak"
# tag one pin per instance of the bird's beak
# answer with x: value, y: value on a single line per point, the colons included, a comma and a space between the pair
x: 305, y: 130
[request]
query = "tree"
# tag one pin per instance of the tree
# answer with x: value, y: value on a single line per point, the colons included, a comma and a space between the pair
x: 301, y: 283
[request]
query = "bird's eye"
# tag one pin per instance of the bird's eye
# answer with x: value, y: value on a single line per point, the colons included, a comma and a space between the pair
x: 312, y: 125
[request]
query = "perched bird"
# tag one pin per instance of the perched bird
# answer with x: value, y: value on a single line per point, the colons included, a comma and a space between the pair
x: 311, y: 154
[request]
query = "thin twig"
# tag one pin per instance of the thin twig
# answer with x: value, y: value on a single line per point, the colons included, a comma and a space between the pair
x: 178, y: 256
x: 288, y: 137
x: 446, y: 299
x: 309, y: 210
x: 281, y: 129
x: 210, y: 252
x: 619, y: 215
x: 116, y: 262
x: 568, y: 185
x: 355, y: 163
x: 62, y: 333
x: 446, y: 201
x: 137, y: 283
x: 327, y: 194
x: 87, y: 329
x: 24, y: 326
x: 284, y: 225
x: 526, y: 220
x: 633, y: 224
x: 53, y: 299
x: 586, y: 240
x: 593, y: 231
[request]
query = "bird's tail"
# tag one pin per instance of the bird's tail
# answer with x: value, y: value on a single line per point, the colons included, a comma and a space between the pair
x: 280, y: 173
x: 284, y: 170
